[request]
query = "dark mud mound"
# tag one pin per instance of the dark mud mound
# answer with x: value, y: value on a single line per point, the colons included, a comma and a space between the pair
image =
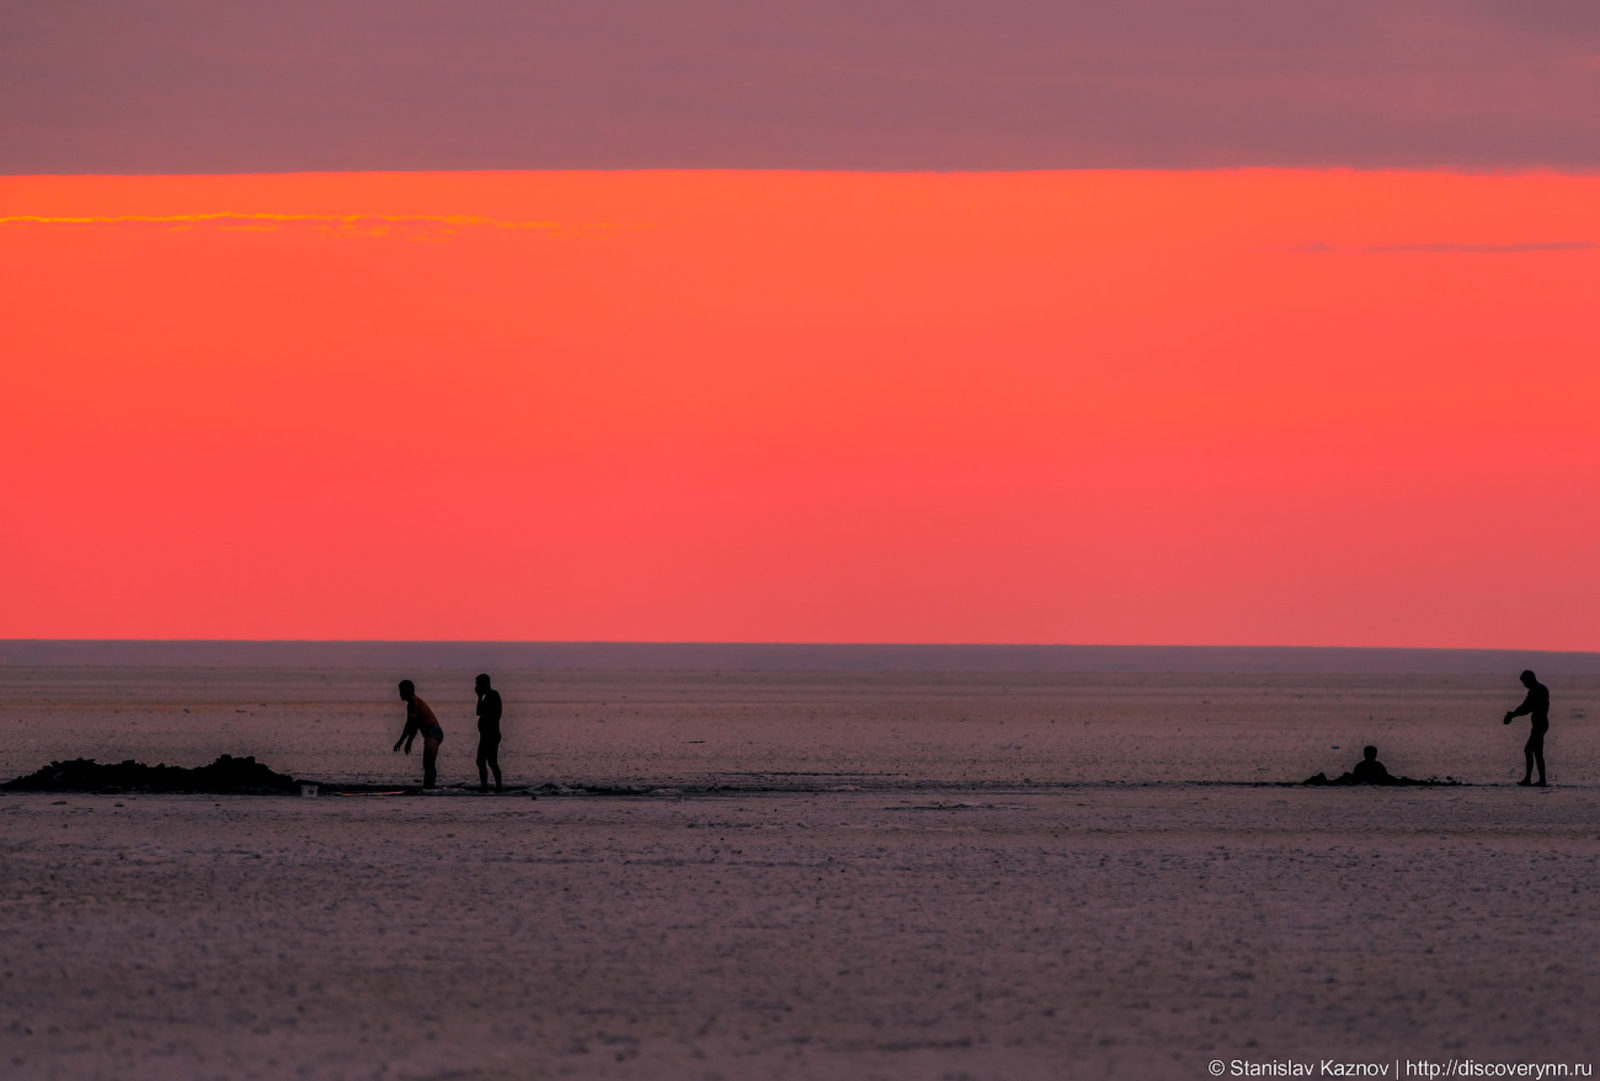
x: 226, y: 776
x: 1387, y: 782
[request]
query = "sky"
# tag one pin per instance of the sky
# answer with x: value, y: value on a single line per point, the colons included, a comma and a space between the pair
x: 196, y: 86
x: 1159, y: 323
x: 1250, y: 407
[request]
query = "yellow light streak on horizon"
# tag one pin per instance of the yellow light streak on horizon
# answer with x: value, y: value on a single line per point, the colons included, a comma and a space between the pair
x: 227, y: 219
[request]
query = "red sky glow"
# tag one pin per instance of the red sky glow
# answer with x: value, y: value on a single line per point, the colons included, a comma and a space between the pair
x: 1257, y: 407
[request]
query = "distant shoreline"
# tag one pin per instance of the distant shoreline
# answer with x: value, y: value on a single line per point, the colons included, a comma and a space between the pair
x: 774, y: 657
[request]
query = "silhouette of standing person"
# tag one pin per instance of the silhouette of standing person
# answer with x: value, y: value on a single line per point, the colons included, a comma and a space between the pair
x: 488, y: 734
x: 1537, y: 706
x: 421, y: 721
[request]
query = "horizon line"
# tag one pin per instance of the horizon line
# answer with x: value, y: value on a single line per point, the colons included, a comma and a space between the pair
x: 1518, y: 170
x: 777, y: 643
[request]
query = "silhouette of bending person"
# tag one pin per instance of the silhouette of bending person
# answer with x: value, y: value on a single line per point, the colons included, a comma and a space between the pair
x: 421, y: 721
x: 488, y: 734
x: 1537, y: 707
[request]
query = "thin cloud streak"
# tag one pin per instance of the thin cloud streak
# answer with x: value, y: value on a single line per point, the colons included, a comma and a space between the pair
x: 1449, y: 247
x: 356, y: 224
x: 1483, y: 249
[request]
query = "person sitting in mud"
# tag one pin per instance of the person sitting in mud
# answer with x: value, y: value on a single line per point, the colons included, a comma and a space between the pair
x: 1367, y: 771
x: 420, y: 720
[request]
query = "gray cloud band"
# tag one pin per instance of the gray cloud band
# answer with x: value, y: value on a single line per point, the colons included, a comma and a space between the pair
x: 152, y: 86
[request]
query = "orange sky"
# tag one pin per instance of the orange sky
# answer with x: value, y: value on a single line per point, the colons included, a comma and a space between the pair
x: 1252, y: 407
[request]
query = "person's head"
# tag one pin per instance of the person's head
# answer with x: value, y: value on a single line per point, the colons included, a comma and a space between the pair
x: 407, y: 689
x: 1527, y: 678
x: 481, y: 684
x: 1370, y: 753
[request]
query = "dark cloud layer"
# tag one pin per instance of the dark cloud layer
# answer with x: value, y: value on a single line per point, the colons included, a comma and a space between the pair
x: 203, y: 86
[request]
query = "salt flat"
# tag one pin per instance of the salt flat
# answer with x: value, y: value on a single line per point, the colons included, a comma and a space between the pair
x: 802, y: 729
x: 904, y: 874
x: 1093, y: 931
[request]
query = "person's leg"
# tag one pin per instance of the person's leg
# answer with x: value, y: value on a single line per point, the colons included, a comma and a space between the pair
x: 1537, y: 743
x: 1527, y: 758
x: 483, y: 765
x: 494, y: 763
x: 430, y: 761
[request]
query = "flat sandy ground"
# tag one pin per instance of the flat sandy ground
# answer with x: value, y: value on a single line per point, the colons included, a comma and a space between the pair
x: 802, y: 729
x: 1090, y: 931
x: 906, y: 875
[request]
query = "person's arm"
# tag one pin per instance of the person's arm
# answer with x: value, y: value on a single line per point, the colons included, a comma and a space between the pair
x: 409, y: 732
x: 1522, y: 710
